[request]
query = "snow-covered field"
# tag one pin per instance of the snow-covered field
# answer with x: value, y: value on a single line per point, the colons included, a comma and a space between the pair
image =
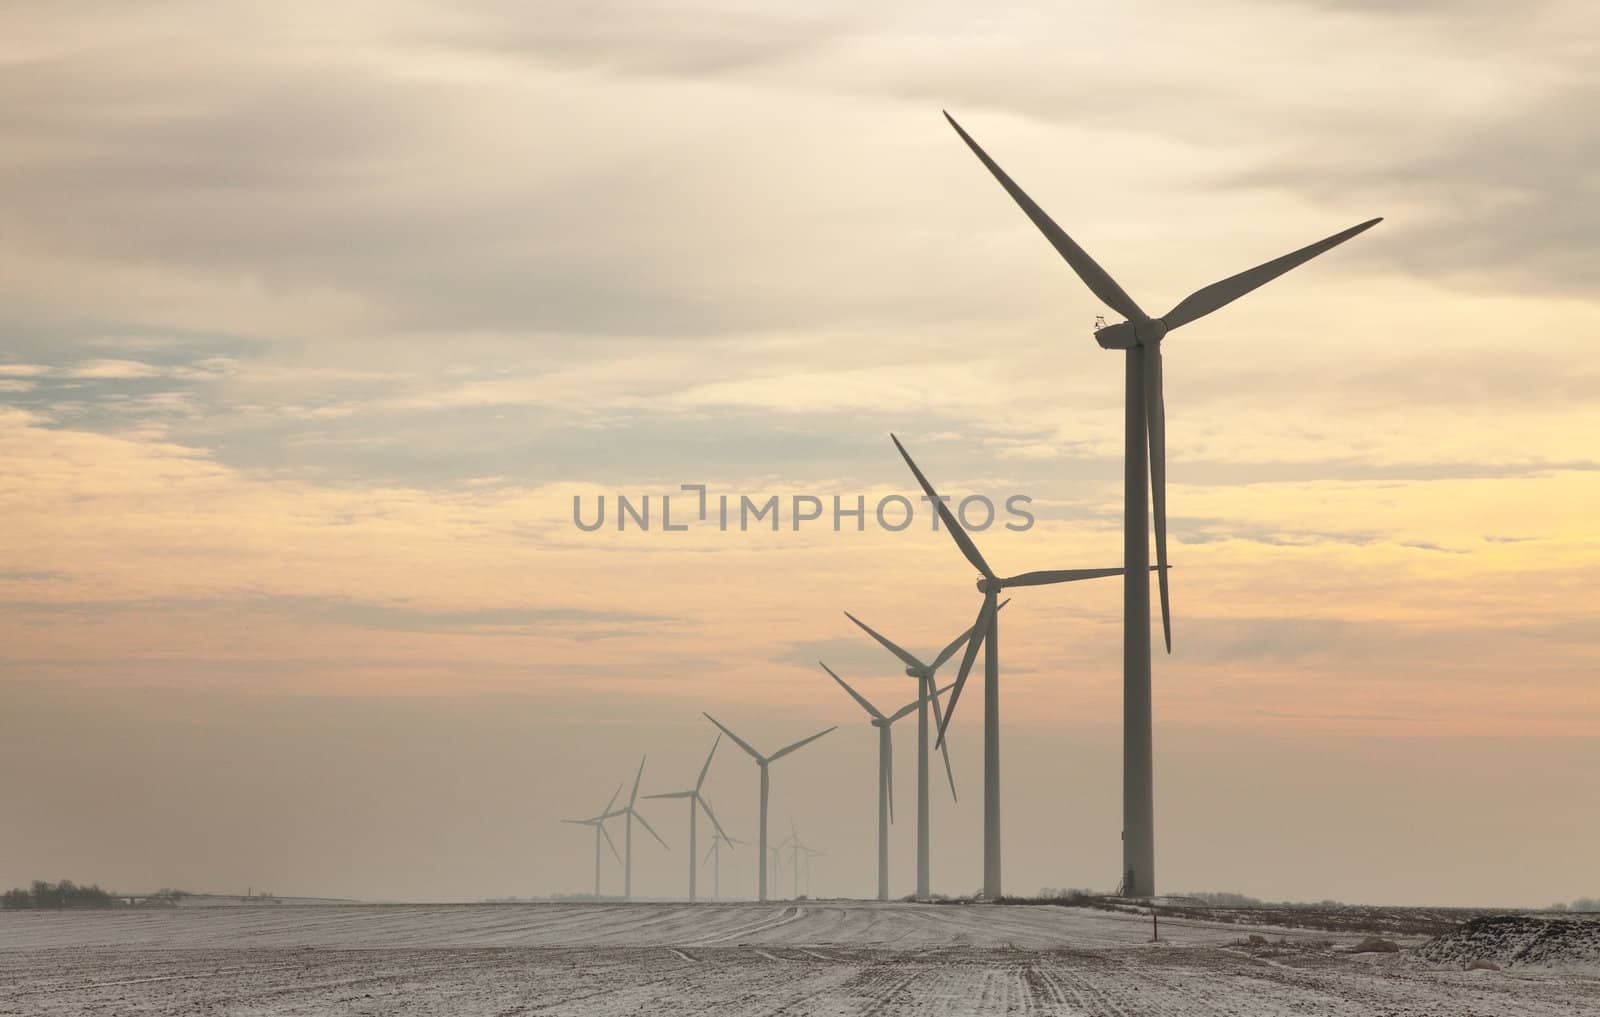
x: 734, y: 959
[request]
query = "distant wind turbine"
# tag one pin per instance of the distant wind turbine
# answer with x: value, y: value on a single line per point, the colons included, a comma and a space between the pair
x: 986, y: 632
x: 632, y: 814
x: 599, y: 824
x: 924, y: 674
x: 714, y: 856
x: 696, y: 799
x: 1145, y: 425
x: 811, y: 853
x: 764, y: 762
x: 886, y: 764
x: 800, y: 855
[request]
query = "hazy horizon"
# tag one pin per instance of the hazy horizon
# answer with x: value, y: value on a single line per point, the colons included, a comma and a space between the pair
x: 315, y: 322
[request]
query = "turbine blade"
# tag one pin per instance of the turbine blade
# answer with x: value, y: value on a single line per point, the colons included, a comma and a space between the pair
x: 709, y: 853
x: 1052, y: 576
x: 1219, y: 294
x: 804, y: 741
x: 906, y: 709
x: 1156, y: 427
x: 673, y: 794
x: 1096, y: 278
x: 607, y: 834
x: 707, y: 768
x: 980, y: 629
x: 873, y: 710
x: 944, y: 746
x: 715, y: 825
x: 905, y: 657
x: 646, y: 823
x: 613, y: 800
x: 580, y: 822
x: 736, y: 739
x: 634, y: 796
x: 955, y: 644
x: 957, y: 534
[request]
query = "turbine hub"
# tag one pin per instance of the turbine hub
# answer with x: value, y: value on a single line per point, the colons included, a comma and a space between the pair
x: 983, y: 585
x: 1150, y: 332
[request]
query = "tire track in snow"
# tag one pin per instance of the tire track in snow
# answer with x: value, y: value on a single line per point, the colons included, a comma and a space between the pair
x: 789, y: 914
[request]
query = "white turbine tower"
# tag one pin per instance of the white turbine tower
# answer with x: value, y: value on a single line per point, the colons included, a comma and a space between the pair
x: 1145, y: 430
x: 986, y: 632
x: 696, y: 802
x: 924, y: 674
x: 764, y: 762
x: 599, y: 824
x: 627, y: 840
x: 886, y: 764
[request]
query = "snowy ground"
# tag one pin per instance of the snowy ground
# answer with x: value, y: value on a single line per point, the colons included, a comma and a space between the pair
x: 736, y: 959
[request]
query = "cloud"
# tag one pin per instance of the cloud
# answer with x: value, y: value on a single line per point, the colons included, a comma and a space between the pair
x: 111, y: 370
x: 377, y: 615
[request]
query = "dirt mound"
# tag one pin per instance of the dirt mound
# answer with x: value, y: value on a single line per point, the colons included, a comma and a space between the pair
x: 1519, y: 941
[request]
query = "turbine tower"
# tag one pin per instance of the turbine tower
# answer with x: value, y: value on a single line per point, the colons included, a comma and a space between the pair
x: 1145, y: 431
x: 627, y: 840
x: 696, y: 802
x: 764, y: 762
x: 599, y: 824
x: 986, y: 633
x: 886, y: 765
x: 924, y: 674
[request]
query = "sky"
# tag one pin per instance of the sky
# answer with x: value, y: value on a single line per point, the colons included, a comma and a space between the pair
x: 315, y: 321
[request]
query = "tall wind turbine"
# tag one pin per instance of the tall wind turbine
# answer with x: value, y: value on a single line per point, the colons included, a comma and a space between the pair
x: 1145, y: 425
x: 886, y: 764
x: 632, y: 814
x: 598, y: 821
x: 695, y: 799
x: 924, y: 674
x: 986, y: 632
x: 764, y: 762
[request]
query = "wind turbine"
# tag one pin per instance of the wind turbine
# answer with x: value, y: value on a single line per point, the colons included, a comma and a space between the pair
x: 986, y: 632
x: 632, y: 814
x: 695, y: 799
x: 886, y: 765
x: 924, y: 674
x: 599, y: 824
x: 797, y: 848
x: 811, y: 853
x: 764, y: 762
x: 714, y: 856
x: 1145, y: 425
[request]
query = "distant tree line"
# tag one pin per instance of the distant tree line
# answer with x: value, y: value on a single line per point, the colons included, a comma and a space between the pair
x: 65, y: 894
x: 1581, y: 904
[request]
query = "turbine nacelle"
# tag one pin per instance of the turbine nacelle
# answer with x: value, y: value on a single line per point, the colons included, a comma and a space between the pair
x: 1125, y: 335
